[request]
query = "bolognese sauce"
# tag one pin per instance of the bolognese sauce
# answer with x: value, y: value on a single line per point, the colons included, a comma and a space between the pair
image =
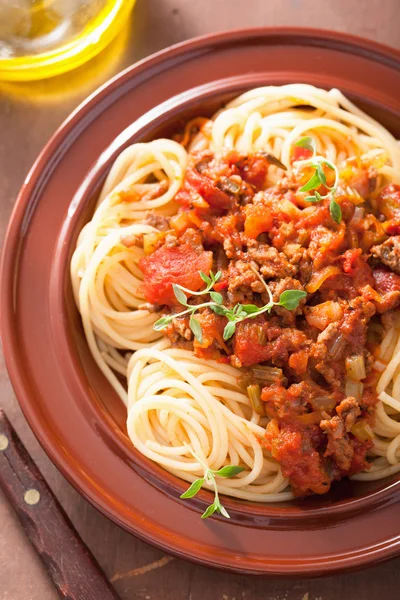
x: 308, y: 369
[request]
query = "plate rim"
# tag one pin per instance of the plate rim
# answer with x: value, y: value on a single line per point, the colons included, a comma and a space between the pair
x: 16, y: 224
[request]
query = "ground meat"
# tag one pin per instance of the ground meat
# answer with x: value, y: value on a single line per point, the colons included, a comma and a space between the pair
x: 348, y: 411
x: 354, y: 323
x: 279, y: 344
x: 179, y: 328
x: 340, y: 445
x: 324, y: 341
x: 281, y: 402
x: 243, y: 281
x: 272, y: 263
x: 294, y: 253
x: 330, y: 369
x: 157, y: 221
x: 151, y: 191
x: 389, y: 253
x: 277, y: 288
x: 302, y: 260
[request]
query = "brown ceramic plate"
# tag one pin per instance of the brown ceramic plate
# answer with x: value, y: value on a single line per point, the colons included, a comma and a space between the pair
x: 71, y: 408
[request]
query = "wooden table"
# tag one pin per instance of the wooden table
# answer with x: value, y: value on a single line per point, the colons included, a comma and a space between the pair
x: 29, y: 114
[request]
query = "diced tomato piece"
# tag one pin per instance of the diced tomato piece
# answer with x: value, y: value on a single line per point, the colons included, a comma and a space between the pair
x: 299, y: 153
x: 299, y: 461
x: 258, y: 220
x: 173, y: 264
x: 392, y: 227
x: 386, y: 281
x: 254, y: 170
x: 388, y: 201
x: 207, y: 189
x: 298, y: 361
x: 183, y: 220
x: 350, y: 260
x: 247, y: 347
x: 212, y: 327
x: 190, y: 198
x: 221, y: 285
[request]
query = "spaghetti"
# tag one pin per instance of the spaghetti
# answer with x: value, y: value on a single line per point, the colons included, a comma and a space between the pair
x: 188, y: 409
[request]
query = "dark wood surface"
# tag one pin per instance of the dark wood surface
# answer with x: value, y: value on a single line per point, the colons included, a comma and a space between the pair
x: 29, y: 114
x: 67, y: 560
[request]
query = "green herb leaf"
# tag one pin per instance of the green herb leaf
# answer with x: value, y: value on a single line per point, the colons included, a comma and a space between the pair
x: 217, y: 276
x: 290, y: 299
x: 162, y: 323
x: 205, y: 278
x: 249, y: 309
x: 216, y: 297
x: 223, y: 511
x: 242, y: 316
x: 229, y: 330
x: 196, y: 329
x: 321, y: 174
x: 306, y: 142
x: 193, y: 489
x: 312, y: 183
x: 229, y: 471
x: 335, y: 210
x: 210, y: 510
x: 219, y: 310
x: 315, y: 198
x: 179, y: 294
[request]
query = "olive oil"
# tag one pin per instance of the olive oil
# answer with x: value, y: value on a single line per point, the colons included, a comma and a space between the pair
x: 43, y: 38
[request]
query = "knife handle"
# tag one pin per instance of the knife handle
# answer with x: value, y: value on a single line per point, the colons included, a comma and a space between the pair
x: 69, y: 563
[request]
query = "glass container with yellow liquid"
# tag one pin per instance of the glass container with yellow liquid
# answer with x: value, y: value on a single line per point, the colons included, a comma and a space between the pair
x: 42, y: 38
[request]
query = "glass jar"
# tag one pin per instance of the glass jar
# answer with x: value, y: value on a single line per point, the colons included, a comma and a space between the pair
x: 42, y: 38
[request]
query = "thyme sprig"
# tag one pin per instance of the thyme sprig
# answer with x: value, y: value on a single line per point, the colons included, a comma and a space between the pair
x: 289, y: 299
x: 209, y: 477
x: 319, y: 178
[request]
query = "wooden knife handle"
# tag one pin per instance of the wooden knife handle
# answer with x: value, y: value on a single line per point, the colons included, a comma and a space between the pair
x: 71, y: 566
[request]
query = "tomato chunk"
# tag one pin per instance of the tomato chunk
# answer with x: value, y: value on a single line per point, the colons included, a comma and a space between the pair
x: 299, y: 153
x: 173, y: 264
x: 207, y: 189
x: 350, y: 260
x: 388, y: 201
x: 247, y: 346
x: 254, y: 170
x: 258, y: 220
x: 292, y: 447
x: 386, y: 281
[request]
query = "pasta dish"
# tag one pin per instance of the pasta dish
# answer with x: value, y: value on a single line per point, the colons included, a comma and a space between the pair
x: 238, y: 287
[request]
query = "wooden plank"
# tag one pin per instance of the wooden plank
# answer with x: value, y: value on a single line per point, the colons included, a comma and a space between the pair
x: 68, y: 562
x: 29, y: 114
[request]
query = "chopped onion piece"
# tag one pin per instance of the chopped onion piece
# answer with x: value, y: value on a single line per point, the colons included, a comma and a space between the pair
x: 266, y: 375
x: 337, y: 347
x: 254, y: 395
x: 358, y: 216
x: 362, y: 431
x: 326, y: 403
x: 150, y: 241
x: 311, y: 418
x: 354, y: 389
x: 321, y: 315
x: 355, y: 367
x: 320, y: 277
